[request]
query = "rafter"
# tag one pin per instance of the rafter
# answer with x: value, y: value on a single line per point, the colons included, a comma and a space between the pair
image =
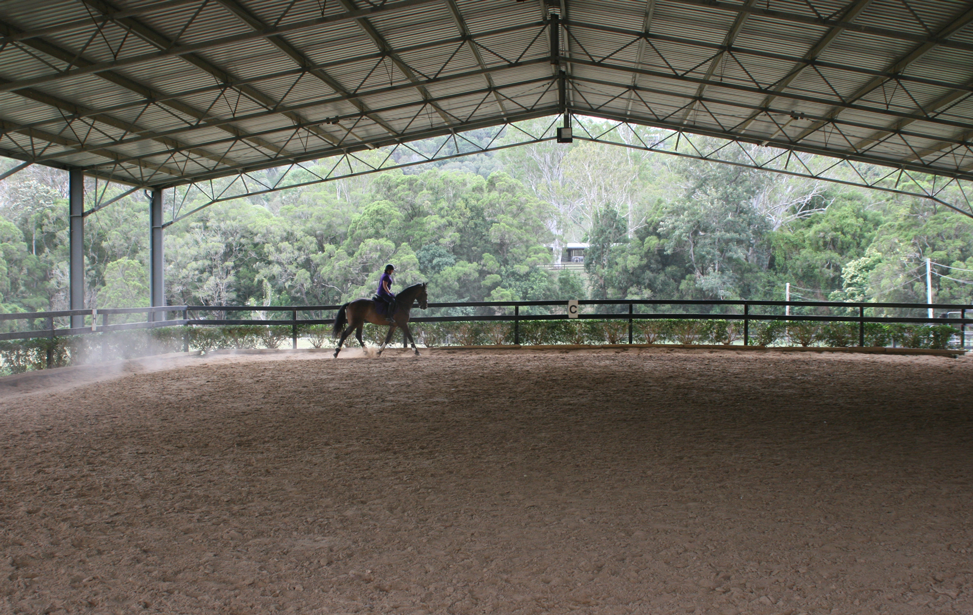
x: 223, y: 76
x: 718, y: 59
x: 77, y: 111
x: 292, y: 52
x: 640, y: 53
x: 464, y: 31
x: 928, y: 108
x: 80, y: 24
x: 953, y: 25
x: 218, y: 87
x: 844, y: 23
x: 178, y: 50
x: 326, y: 101
x: 125, y: 82
x: 369, y: 144
x: 403, y: 67
x: 850, y: 13
x: 71, y: 143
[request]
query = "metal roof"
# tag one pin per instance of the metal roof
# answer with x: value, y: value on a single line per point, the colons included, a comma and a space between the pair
x: 166, y: 92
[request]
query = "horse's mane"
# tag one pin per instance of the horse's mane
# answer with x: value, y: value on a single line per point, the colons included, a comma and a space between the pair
x: 408, y: 291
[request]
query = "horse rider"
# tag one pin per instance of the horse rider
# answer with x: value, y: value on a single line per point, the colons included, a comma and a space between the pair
x: 385, y: 293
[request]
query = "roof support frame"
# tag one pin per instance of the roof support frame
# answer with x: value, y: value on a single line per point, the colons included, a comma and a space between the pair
x: 897, y: 66
x: 305, y: 63
x: 258, y: 115
x: 402, y: 65
x: 178, y: 50
x: 952, y: 193
x: 219, y: 87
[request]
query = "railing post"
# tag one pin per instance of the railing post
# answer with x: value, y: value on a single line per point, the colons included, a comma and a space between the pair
x: 185, y: 330
x: 631, y: 310
x: 50, y: 346
x: 294, y: 328
x: 516, y: 325
x: 861, y: 326
x: 962, y: 330
x: 746, y: 324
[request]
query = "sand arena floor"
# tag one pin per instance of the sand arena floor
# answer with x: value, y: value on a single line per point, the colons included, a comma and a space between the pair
x: 600, y: 481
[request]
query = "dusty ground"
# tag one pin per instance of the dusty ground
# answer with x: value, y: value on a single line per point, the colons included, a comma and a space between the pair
x: 640, y: 481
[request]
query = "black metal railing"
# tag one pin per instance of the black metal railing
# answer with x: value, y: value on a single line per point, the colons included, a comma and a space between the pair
x: 45, y: 324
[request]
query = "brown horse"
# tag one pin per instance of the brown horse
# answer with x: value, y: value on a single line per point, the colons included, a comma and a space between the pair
x: 357, y: 313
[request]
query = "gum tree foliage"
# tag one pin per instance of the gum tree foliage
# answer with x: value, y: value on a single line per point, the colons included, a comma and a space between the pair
x: 488, y: 227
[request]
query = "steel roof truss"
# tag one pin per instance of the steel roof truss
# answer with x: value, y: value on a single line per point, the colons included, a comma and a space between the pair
x: 357, y: 117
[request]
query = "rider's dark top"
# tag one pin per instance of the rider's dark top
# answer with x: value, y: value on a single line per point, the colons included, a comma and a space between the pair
x: 381, y: 287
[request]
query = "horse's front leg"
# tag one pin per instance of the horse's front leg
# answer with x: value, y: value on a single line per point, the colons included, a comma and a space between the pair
x: 358, y: 335
x: 388, y: 338
x: 408, y: 333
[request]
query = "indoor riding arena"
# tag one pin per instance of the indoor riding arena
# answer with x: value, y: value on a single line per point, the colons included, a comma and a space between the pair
x: 642, y: 480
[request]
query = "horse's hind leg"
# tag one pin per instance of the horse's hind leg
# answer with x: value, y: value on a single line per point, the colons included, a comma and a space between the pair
x: 344, y: 335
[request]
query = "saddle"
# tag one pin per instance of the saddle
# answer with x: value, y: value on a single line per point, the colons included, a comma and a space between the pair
x: 382, y: 306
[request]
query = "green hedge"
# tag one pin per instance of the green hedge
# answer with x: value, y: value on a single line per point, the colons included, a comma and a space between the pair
x: 23, y: 355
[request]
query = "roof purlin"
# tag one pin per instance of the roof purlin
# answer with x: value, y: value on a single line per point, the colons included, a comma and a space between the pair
x: 216, y: 123
x: 159, y: 98
x: 178, y: 50
x: 302, y: 61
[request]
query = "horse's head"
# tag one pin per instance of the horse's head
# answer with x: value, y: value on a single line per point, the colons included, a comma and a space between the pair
x: 421, y: 297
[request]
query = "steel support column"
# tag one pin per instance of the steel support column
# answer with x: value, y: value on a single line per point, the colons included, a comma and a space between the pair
x: 76, y: 244
x: 156, y: 262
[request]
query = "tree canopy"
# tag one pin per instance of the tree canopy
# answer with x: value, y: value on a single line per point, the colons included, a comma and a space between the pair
x: 494, y: 227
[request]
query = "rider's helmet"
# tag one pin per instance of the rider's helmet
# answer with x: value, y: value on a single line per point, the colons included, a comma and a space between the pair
x: 389, y: 268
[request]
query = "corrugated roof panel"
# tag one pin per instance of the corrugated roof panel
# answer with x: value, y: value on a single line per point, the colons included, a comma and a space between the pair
x: 459, y: 59
x: 770, y: 41
x: 916, y: 18
x: 417, y: 25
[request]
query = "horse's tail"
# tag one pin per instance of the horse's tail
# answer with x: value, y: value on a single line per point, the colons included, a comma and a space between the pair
x: 340, y: 322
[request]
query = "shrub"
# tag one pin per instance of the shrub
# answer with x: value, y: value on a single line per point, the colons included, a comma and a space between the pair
x: 804, y: 332
x: 499, y: 333
x: 272, y: 336
x: 923, y: 336
x: 21, y: 356
x: 533, y: 332
x: 878, y: 335
x: 768, y: 332
x: 616, y: 331
x: 318, y: 335
x: 650, y: 331
x: 724, y: 332
x: 689, y: 331
x: 840, y: 334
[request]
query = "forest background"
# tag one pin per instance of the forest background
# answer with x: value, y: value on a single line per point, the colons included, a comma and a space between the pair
x: 492, y: 227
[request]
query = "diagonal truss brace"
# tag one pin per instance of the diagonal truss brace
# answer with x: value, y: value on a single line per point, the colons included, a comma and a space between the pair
x: 953, y: 193
x: 186, y: 200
